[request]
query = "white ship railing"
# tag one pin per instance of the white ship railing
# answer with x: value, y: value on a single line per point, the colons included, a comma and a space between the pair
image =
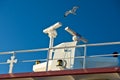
x: 53, y: 48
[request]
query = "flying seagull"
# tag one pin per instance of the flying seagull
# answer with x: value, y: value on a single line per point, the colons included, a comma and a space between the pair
x: 72, y: 11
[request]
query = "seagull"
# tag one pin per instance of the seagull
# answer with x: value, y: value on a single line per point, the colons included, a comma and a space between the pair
x: 72, y: 11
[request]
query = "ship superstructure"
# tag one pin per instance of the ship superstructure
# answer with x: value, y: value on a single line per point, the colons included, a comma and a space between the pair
x: 68, y: 60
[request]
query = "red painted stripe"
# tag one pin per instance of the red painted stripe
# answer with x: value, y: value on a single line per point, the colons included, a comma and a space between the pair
x: 61, y: 73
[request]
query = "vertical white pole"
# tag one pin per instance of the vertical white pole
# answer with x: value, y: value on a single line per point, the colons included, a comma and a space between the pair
x: 51, y: 31
x: 84, y: 59
x: 49, y: 54
x: 50, y: 46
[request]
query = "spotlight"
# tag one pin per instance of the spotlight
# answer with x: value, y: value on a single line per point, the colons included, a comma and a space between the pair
x: 76, y: 36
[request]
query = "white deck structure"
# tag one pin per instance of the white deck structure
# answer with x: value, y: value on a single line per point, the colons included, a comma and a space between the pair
x: 74, y: 58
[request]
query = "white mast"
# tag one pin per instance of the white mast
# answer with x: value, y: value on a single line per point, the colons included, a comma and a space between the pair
x: 51, y: 31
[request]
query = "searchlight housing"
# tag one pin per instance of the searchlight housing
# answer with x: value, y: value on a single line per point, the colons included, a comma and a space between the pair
x: 76, y: 36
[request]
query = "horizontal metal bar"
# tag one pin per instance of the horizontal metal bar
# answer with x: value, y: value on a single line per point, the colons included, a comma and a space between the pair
x: 3, y: 63
x: 33, y: 60
x: 49, y: 59
x: 44, y: 49
x: 24, y: 51
x: 104, y: 55
x: 103, y: 44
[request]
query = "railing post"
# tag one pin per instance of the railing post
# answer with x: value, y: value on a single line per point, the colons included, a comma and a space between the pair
x: 84, y: 59
x: 47, y: 61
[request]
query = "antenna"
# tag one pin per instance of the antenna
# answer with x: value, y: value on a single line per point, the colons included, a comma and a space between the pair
x: 51, y: 31
x: 76, y: 36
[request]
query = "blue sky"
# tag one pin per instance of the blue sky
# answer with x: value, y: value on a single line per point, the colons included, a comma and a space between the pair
x: 22, y: 22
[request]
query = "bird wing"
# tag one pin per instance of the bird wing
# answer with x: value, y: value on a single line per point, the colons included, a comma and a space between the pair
x: 67, y: 13
x: 74, y: 9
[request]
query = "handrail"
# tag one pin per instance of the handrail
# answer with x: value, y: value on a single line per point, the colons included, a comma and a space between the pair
x: 103, y: 55
x: 44, y: 49
x: 53, y: 48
